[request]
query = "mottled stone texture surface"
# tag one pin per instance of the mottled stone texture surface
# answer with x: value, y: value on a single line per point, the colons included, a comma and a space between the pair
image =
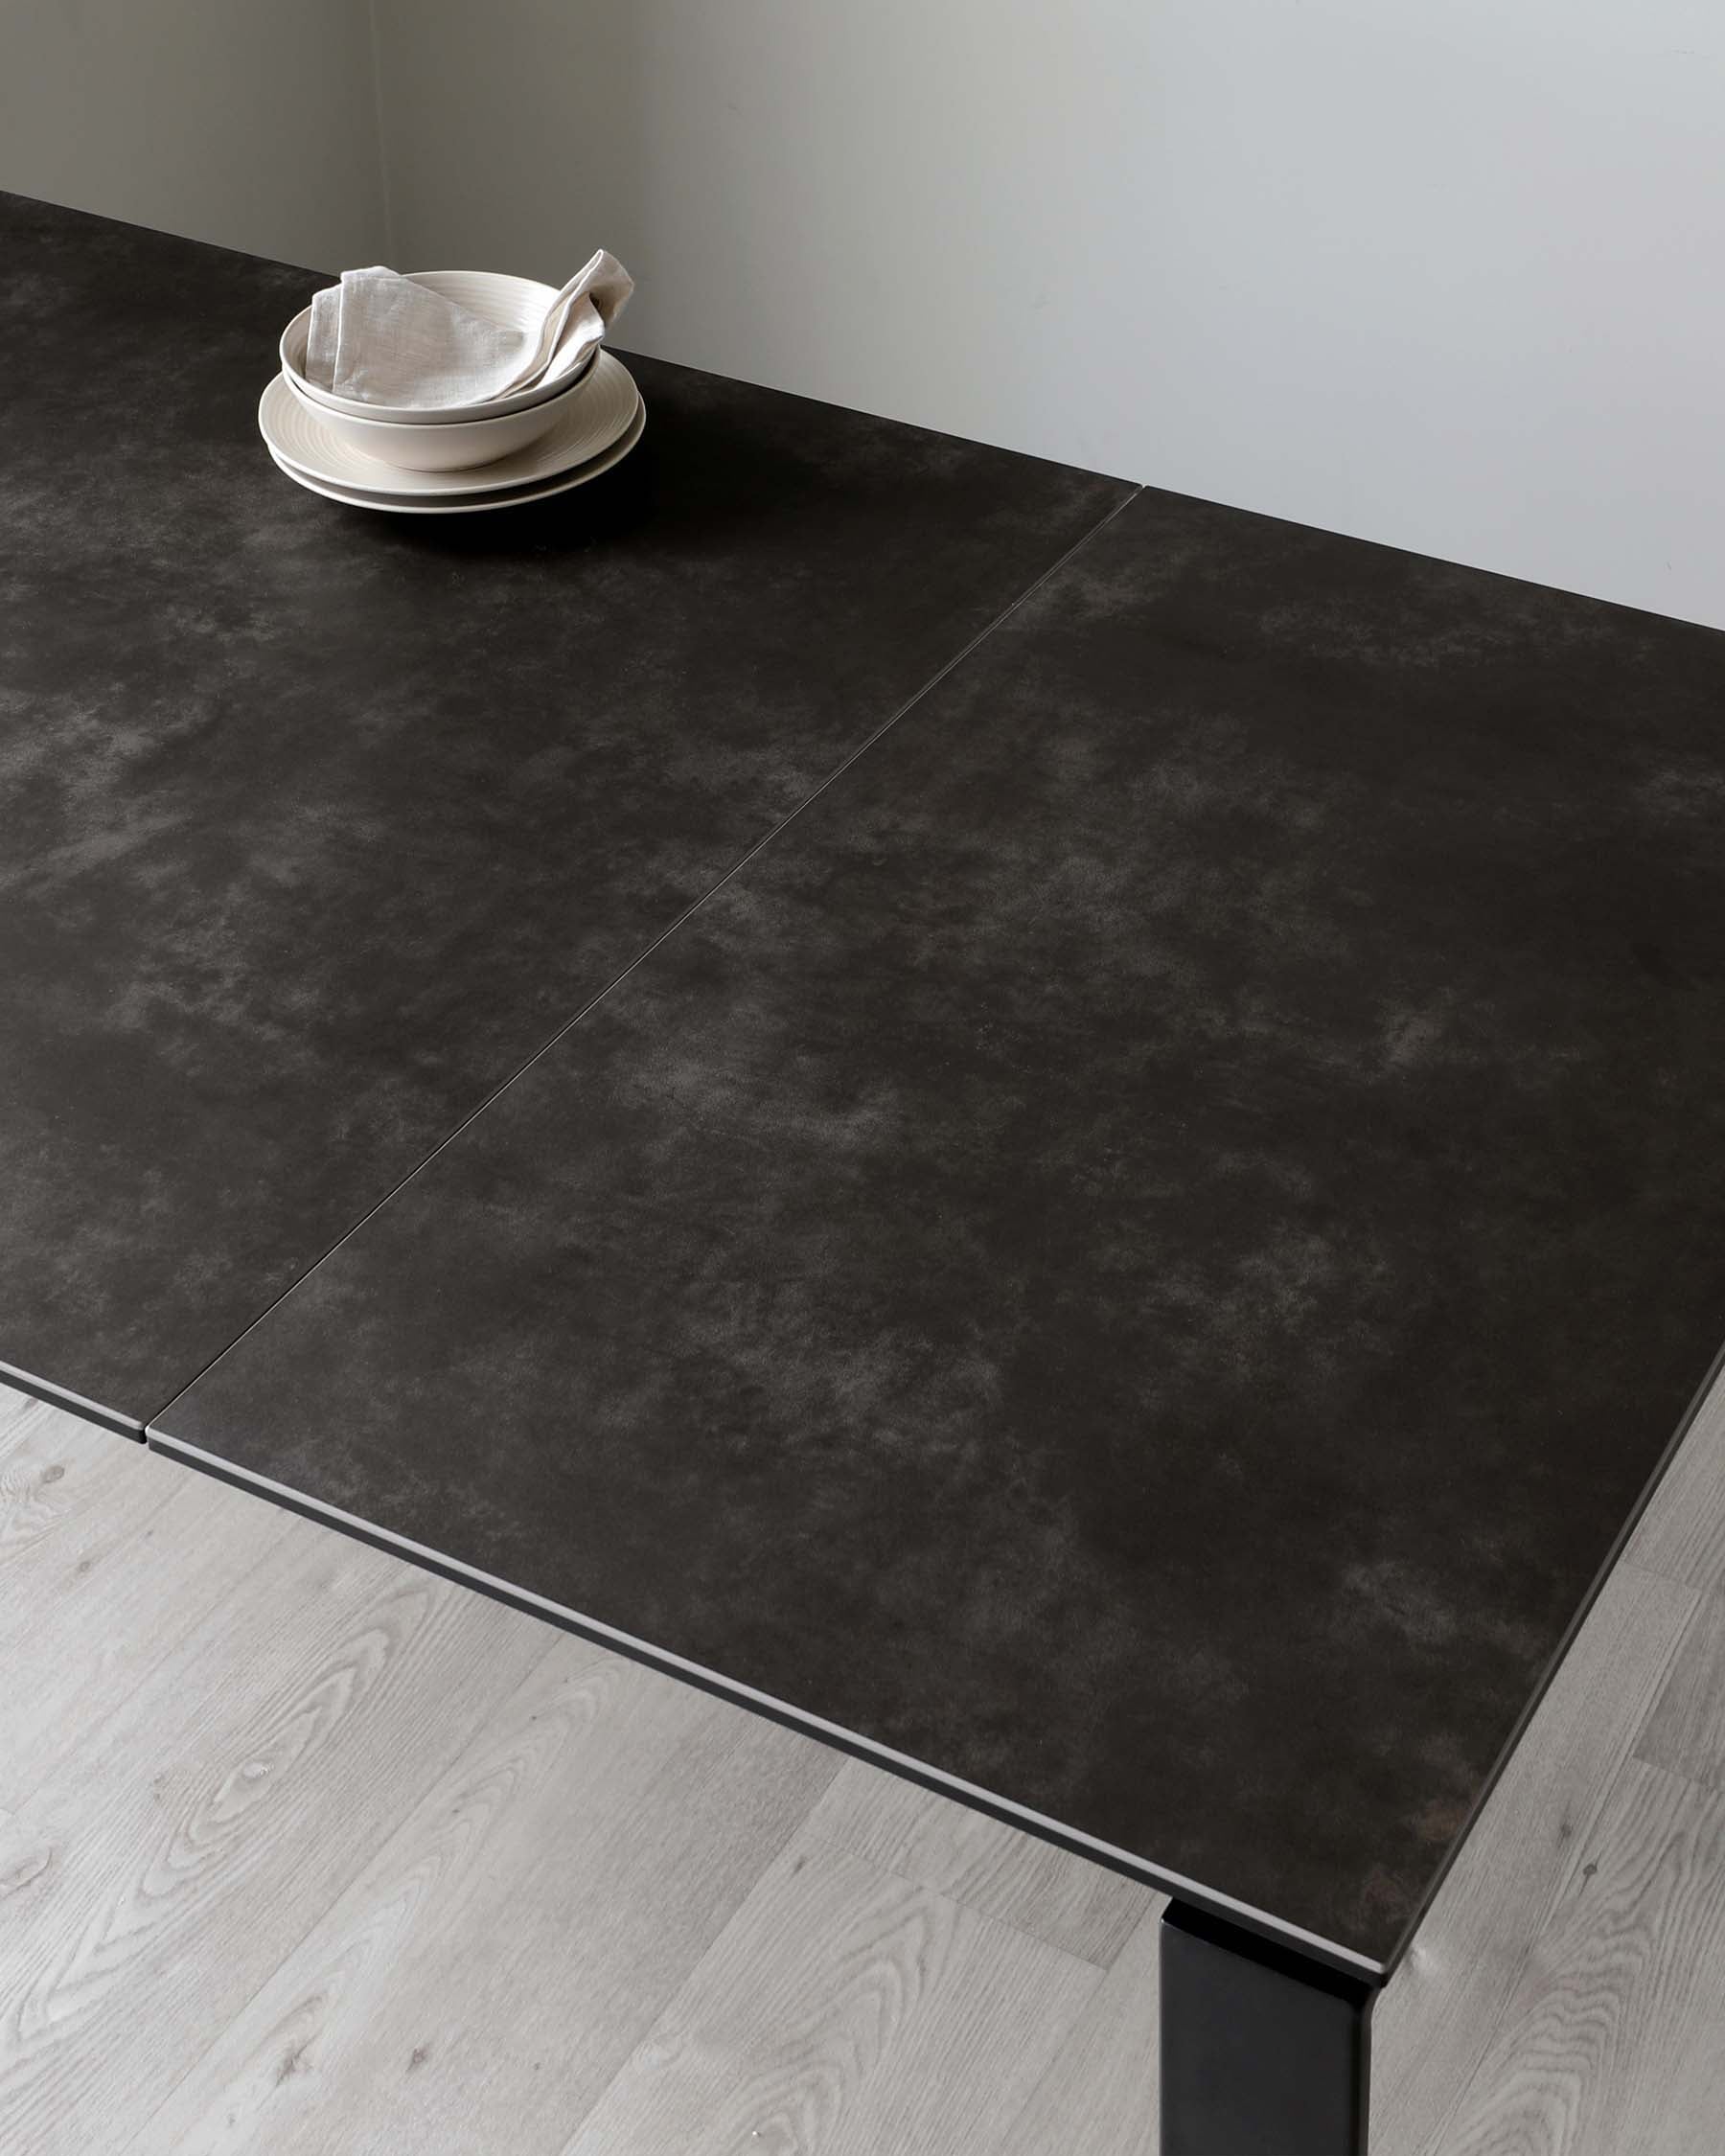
x: 1143, y: 1251
x: 314, y: 826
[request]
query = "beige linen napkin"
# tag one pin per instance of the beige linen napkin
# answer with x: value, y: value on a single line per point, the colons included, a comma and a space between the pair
x: 382, y: 340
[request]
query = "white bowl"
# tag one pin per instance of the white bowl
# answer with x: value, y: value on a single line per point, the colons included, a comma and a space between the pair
x: 410, y: 447
x: 513, y: 303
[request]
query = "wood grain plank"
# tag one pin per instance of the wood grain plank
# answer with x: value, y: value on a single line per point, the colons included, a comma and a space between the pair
x: 17, y: 1410
x: 1101, y: 2094
x: 14, y: 1410
x: 1442, y: 2011
x: 490, y: 1970
x: 845, y: 2012
x: 1685, y: 1729
x: 68, y: 1493
x: 1612, y: 2043
x: 195, y: 1835
x: 118, y: 1596
x: 1682, y: 1533
x: 992, y: 1869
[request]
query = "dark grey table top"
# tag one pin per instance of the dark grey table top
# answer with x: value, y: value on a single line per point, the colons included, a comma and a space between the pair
x: 318, y: 824
x: 1140, y: 1254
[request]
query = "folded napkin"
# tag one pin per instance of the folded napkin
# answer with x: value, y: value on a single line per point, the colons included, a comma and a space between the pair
x: 383, y: 339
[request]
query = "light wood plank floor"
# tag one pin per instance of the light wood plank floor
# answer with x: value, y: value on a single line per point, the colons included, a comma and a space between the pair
x: 303, y: 1850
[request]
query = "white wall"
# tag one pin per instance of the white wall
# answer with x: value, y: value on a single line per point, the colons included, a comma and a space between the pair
x: 252, y: 122
x: 1449, y: 273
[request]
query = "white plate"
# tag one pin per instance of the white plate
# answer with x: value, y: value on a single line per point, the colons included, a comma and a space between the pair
x: 412, y: 505
x: 598, y: 412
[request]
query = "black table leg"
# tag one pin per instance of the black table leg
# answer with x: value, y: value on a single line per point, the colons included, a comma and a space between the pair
x: 1263, y: 2051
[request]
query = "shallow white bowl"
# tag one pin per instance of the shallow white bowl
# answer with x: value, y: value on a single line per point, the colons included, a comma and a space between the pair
x: 455, y: 448
x: 513, y: 303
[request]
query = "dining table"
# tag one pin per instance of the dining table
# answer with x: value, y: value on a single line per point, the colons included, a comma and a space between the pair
x: 1067, y: 1136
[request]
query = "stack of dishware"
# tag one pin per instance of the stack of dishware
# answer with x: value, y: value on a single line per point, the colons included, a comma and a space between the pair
x: 575, y: 422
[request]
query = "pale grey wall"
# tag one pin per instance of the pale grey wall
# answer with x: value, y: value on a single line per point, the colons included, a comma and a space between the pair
x: 1443, y: 272
x: 252, y: 122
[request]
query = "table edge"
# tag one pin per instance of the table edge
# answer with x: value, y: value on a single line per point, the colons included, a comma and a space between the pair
x: 1331, y: 1953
